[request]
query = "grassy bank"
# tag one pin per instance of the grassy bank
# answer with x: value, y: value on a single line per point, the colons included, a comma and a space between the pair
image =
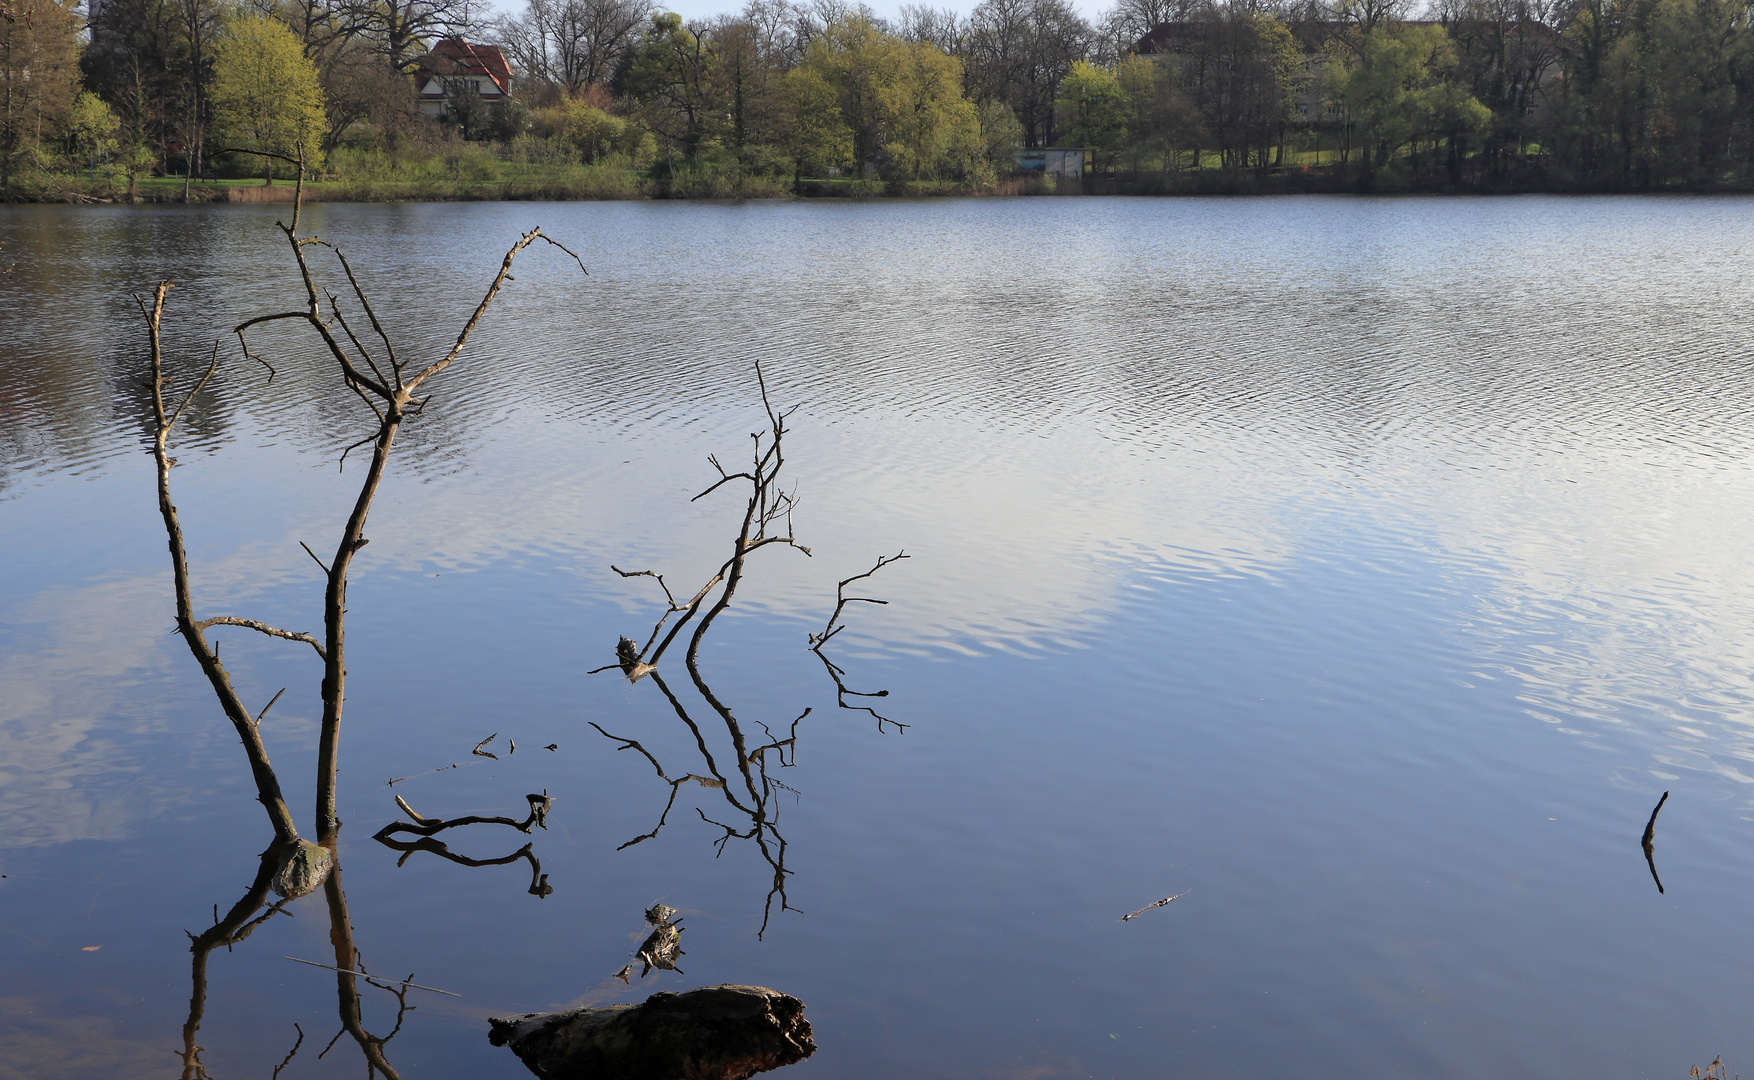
x: 478, y: 176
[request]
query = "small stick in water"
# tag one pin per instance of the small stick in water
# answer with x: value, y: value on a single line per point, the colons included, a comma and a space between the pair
x: 484, y: 742
x: 1157, y: 904
x: 371, y: 978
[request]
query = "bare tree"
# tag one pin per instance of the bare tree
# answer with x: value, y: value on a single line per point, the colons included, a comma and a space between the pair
x: 1131, y: 20
x: 401, y: 29
x: 1019, y: 51
x: 573, y: 44
x: 748, y: 788
x: 928, y: 25
x: 389, y: 386
x: 774, y: 25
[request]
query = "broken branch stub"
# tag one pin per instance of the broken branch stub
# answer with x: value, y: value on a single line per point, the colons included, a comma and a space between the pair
x: 714, y: 1033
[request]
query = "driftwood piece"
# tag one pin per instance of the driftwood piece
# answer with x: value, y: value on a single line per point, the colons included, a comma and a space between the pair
x: 714, y: 1033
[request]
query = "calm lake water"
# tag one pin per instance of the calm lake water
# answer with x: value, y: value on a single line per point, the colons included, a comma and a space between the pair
x: 1364, y: 569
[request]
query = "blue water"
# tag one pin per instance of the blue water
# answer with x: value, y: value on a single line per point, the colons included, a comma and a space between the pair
x: 1365, y: 569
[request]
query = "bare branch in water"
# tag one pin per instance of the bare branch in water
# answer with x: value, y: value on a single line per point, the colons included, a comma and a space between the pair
x: 267, y: 784
x: 703, y: 781
x: 425, y: 826
x: 1154, y: 904
x: 371, y: 979
x: 767, y: 520
x: 834, y: 625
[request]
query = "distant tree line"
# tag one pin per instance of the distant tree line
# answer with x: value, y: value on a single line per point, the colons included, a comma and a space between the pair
x: 1628, y: 94
x: 1474, y: 94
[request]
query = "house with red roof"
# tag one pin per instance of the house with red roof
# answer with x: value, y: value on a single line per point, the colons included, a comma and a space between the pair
x: 455, y: 66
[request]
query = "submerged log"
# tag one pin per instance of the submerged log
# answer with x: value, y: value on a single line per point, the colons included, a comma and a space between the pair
x: 714, y: 1033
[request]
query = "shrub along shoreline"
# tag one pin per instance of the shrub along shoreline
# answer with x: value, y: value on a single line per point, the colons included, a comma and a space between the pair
x: 606, y: 183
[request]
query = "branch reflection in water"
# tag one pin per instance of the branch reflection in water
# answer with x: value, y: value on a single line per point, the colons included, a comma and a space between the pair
x: 425, y: 827
x: 250, y: 912
x: 1649, y: 841
x: 292, y: 867
x: 766, y: 520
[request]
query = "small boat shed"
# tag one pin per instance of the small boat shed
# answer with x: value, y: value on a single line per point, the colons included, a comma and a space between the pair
x: 1057, y: 161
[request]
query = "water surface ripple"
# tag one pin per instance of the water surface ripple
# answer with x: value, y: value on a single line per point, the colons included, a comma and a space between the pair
x: 1367, y: 568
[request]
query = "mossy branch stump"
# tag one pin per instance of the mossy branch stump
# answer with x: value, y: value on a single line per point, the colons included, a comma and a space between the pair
x: 714, y: 1033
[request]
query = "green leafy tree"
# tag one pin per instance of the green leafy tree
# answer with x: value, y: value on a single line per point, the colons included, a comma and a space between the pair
x: 266, y: 95
x: 930, y: 128
x: 816, y: 136
x: 92, y: 127
x: 590, y: 131
x: 1001, y: 135
x: 671, y: 74
x: 1399, y: 89
x: 899, y: 103
x: 1093, y: 110
x: 39, y: 76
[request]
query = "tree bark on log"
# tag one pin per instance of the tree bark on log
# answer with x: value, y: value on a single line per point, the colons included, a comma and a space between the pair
x: 714, y: 1033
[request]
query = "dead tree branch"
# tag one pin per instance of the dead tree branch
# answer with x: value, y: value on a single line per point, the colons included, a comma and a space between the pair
x: 425, y: 826
x: 267, y: 784
x: 834, y: 625
x: 290, y: 1054
x: 392, y: 395
x: 703, y: 781
x: 260, y: 628
x: 767, y: 509
x: 1649, y: 841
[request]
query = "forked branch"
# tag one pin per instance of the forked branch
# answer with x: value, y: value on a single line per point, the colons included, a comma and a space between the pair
x: 767, y: 519
x: 834, y: 625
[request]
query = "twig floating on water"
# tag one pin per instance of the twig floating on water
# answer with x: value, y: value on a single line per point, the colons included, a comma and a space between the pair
x: 484, y: 742
x: 429, y: 772
x: 1158, y: 904
x: 372, y: 978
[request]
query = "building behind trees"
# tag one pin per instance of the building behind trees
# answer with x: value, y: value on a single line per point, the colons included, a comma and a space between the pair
x: 1160, y: 94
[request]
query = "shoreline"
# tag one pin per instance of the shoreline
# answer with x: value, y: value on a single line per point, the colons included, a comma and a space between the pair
x: 161, y: 190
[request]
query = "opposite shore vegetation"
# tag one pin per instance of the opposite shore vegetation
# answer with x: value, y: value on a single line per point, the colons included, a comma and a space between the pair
x: 154, y: 99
